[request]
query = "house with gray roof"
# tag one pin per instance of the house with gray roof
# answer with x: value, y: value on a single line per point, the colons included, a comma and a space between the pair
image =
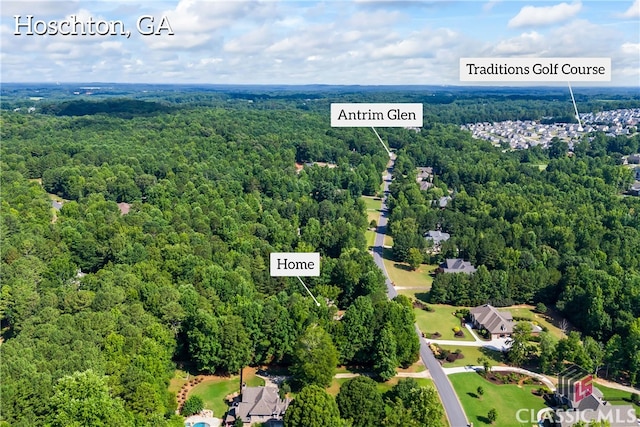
x: 436, y: 237
x: 444, y: 201
x: 593, y: 408
x: 456, y: 265
x: 424, y: 178
x: 259, y: 405
x: 498, y: 324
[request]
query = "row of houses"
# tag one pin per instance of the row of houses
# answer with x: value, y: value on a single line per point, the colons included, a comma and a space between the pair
x: 522, y: 134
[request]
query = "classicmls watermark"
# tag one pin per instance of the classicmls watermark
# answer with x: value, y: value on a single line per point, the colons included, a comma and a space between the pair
x: 575, y: 385
x: 620, y: 416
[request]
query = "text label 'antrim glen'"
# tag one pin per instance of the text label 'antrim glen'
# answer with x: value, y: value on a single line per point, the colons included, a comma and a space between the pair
x: 290, y: 264
x: 376, y: 115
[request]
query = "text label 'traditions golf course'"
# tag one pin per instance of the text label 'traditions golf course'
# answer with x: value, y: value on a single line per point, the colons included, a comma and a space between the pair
x: 535, y: 69
x: 376, y: 115
x: 292, y: 264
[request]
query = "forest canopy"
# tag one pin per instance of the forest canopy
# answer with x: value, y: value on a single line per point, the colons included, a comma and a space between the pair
x: 94, y: 296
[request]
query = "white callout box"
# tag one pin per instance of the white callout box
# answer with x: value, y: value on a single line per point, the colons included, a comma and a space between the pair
x: 291, y: 264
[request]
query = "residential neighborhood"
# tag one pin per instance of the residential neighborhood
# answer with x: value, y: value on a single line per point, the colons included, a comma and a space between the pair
x: 522, y: 134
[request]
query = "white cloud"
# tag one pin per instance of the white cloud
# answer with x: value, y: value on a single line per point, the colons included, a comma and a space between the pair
x: 630, y: 49
x: 197, y: 24
x: 37, y: 8
x: 633, y: 12
x: 523, y: 45
x: 490, y: 5
x: 544, y: 15
x: 247, y: 41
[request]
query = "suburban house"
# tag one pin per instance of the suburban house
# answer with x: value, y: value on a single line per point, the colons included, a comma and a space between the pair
x: 498, y: 324
x: 633, y: 159
x: 259, y: 405
x: 444, y: 201
x: 456, y: 265
x: 635, y: 189
x: 583, y: 402
x: 424, y: 178
x: 436, y: 237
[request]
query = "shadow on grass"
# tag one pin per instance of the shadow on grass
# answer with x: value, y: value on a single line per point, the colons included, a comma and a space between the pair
x: 494, y: 355
x: 402, y: 267
x: 475, y: 396
x: 422, y: 296
x: 483, y: 419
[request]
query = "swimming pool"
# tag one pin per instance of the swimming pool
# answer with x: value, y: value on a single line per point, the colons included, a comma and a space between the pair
x: 201, y: 425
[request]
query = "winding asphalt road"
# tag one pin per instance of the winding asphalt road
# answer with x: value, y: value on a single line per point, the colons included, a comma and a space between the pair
x: 450, y: 401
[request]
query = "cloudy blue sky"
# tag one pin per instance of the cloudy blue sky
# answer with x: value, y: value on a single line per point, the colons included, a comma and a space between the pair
x: 307, y: 42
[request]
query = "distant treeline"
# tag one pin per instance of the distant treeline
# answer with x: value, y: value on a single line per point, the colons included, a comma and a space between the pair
x: 124, y: 108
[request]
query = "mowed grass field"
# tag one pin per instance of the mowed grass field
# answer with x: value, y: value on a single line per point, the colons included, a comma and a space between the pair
x: 506, y: 399
x: 213, y: 391
x: 528, y: 312
x: 418, y: 281
x: 471, y: 355
x: 441, y: 320
x: 372, y: 206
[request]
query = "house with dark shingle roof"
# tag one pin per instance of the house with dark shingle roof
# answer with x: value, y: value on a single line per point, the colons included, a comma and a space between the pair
x: 456, y: 265
x: 436, y: 237
x: 259, y: 405
x: 498, y: 324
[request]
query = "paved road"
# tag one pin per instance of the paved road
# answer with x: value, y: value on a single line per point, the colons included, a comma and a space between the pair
x: 450, y: 401
x: 382, y: 229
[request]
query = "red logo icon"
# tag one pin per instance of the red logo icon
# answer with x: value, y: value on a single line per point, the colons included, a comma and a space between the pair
x: 583, y: 388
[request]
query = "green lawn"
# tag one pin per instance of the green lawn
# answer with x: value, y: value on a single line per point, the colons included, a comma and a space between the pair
x: 617, y: 397
x: 371, y: 238
x: 402, y: 275
x: 440, y: 320
x: 471, y: 355
x: 179, y: 379
x: 372, y: 207
x: 542, y: 319
x: 506, y: 399
x: 214, y: 391
x: 372, y: 203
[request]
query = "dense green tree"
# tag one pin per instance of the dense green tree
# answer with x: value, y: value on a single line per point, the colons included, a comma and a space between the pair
x: 520, y: 348
x: 235, y: 344
x: 410, y: 401
x: 360, y: 401
x: 385, y: 354
x: 358, y: 332
x: 315, y: 358
x: 492, y: 415
x: 414, y: 258
x: 313, y: 407
x: 547, y: 349
x: 192, y: 405
x: 83, y: 399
